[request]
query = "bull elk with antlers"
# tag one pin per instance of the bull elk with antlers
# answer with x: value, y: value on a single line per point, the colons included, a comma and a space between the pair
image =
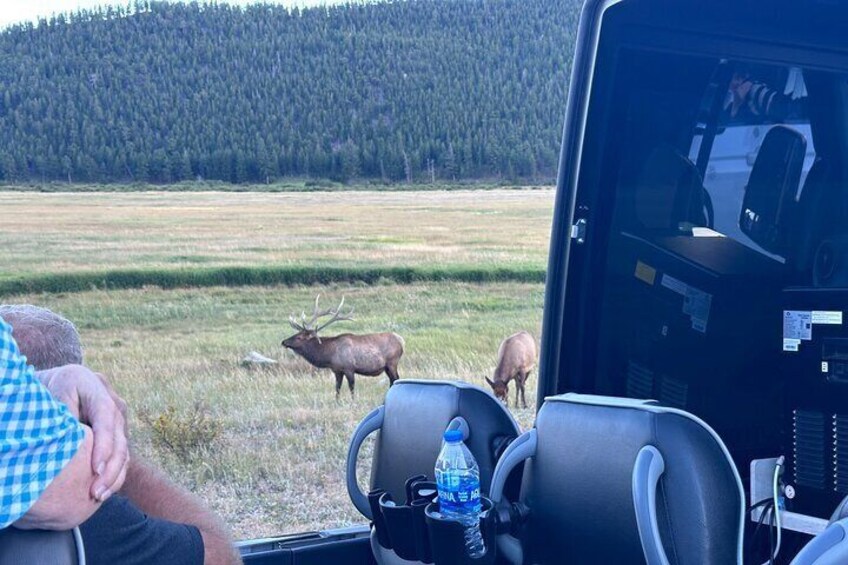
x: 347, y: 355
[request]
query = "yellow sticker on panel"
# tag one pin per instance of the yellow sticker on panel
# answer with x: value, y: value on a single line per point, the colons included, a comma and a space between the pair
x: 645, y: 273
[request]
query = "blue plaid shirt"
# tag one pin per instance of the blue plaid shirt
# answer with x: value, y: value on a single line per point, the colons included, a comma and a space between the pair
x: 38, y: 436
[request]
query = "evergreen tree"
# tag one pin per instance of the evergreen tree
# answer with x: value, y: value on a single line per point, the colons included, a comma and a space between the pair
x: 401, y: 91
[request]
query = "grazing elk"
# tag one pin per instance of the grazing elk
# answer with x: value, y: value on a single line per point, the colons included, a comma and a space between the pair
x: 346, y: 355
x: 516, y: 358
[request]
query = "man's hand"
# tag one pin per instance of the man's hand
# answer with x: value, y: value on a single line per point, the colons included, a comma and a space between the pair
x: 119, y: 402
x: 91, y: 399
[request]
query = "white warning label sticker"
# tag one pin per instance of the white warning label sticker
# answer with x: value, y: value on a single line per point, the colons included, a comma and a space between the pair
x: 829, y: 317
x: 797, y: 324
x: 674, y: 284
x: 791, y: 344
x: 696, y: 304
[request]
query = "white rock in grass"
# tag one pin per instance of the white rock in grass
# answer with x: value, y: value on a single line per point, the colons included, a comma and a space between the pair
x: 256, y: 359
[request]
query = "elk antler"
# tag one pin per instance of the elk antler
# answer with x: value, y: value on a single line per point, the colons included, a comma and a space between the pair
x: 294, y: 324
x: 337, y: 316
x: 306, y: 325
x: 303, y: 324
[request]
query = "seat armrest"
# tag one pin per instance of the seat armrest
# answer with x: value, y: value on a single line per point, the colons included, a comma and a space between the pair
x: 828, y: 548
x: 518, y: 451
x: 370, y: 424
x: 80, y: 546
x: 522, y: 448
x: 647, y: 470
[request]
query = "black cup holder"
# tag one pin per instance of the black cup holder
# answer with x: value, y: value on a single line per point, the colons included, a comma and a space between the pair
x: 379, y: 522
x: 416, y: 531
x: 447, y: 537
x: 402, y: 527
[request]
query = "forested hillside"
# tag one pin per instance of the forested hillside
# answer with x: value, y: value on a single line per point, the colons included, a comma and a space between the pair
x: 402, y: 90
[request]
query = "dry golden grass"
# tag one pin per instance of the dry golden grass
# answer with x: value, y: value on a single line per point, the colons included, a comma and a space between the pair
x: 79, y: 232
x: 278, y: 463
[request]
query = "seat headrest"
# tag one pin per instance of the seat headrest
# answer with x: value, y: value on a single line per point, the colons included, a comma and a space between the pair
x: 819, y: 218
x: 416, y: 416
x: 830, y: 264
x: 578, y: 485
x: 769, y: 205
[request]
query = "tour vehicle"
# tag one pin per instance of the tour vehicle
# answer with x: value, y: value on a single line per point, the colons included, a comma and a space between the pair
x: 693, y: 380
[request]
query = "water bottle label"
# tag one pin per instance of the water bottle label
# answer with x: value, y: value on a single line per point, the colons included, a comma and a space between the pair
x: 463, y: 497
x: 459, y: 493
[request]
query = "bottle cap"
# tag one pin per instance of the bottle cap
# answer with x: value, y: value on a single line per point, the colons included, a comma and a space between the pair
x: 453, y: 435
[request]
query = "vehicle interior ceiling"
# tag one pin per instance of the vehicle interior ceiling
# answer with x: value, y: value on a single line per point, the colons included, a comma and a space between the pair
x: 725, y: 275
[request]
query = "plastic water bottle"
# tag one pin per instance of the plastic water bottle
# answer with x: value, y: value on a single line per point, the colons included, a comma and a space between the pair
x: 458, y: 481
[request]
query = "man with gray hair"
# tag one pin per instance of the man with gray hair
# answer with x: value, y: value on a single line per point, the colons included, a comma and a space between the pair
x: 150, y: 520
x: 46, y: 339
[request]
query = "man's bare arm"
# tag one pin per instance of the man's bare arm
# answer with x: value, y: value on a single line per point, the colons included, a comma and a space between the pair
x: 93, y: 403
x: 66, y: 502
x: 153, y: 493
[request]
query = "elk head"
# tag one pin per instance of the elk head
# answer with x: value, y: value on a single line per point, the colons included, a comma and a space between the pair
x: 307, y: 330
x: 500, y: 388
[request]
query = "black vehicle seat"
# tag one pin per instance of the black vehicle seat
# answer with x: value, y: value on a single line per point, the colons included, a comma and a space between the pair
x: 601, y: 470
x: 411, y: 424
x: 818, y: 218
x: 617, y: 480
x: 669, y: 193
x: 819, y: 245
x: 18, y: 547
x: 769, y: 207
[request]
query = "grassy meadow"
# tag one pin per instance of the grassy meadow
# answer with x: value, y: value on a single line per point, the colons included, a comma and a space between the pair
x: 84, y: 232
x: 275, y: 463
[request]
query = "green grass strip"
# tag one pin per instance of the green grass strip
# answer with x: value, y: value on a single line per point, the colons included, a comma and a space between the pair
x: 260, y: 276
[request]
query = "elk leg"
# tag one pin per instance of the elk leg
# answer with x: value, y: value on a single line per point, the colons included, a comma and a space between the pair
x: 523, y: 382
x: 519, y: 387
x: 391, y: 372
x: 339, y: 377
x: 351, y: 380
